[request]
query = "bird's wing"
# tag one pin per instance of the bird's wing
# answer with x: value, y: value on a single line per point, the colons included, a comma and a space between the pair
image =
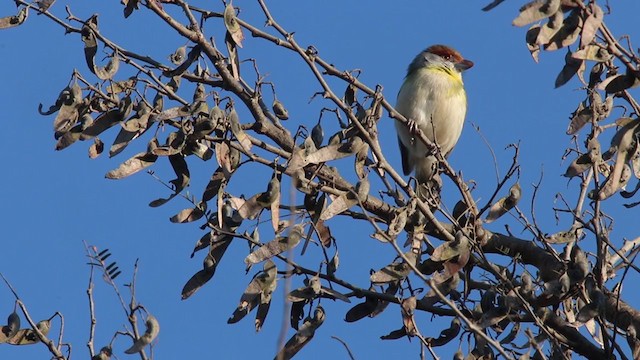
x: 407, y: 165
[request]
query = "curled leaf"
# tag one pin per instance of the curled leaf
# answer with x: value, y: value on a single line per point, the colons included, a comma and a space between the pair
x: 11, y: 329
x: 238, y: 132
x: 395, y: 271
x: 188, y: 215
x: 108, y: 71
x: 276, y: 246
x: 151, y: 332
x: 218, y: 247
x: 179, y: 55
x: 447, y: 334
x: 505, y: 204
x: 257, y: 292
x: 536, y: 10
x: 303, y: 335
x: 14, y: 20
x: 232, y: 25
x: 131, y: 166
x: 571, y: 67
x: 532, y: 42
x: 593, y: 53
x: 568, y: 33
x: 591, y: 25
x: 29, y: 336
x: 279, y: 110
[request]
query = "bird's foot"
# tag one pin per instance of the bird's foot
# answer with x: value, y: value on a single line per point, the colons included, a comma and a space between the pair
x: 413, y: 129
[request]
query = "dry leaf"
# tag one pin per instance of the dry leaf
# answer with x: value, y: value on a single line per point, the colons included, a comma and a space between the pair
x: 15, y: 20
x: 505, y: 204
x: 151, y: 332
x: 276, y: 246
x: 138, y: 162
x: 591, y: 25
x: 232, y: 25
x: 302, y: 336
x: 536, y: 10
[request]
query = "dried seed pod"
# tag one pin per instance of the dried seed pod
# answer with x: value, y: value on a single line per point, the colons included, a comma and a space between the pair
x: 279, y: 110
x: 152, y: 330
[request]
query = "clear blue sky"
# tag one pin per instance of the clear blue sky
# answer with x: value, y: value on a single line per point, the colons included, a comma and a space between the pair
x: 52, y: 201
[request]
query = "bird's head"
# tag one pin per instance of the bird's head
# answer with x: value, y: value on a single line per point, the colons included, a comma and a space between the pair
x: 440, y: 56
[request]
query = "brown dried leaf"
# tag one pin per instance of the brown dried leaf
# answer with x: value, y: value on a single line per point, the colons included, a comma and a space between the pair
x: 183, y: 65
x: 276, y: 246
x: 279, y: 110
x: 257, y: 292
x: 536, y: 10
x: 14, y: 20
x: 571, y: 67
x: 395, y: 334
x: 90, y: 42
x: 232, y: 25
x: 617, y: 83
x: 29, y: 336
x: 69, y: 137
x: 218, y: 179
x: 334, y: 152
x: 593, y: 53
x: 447, y: 286
x: 179, y: 56
x: 303, y: 336
x: 591, y: 25
x: 180, y: 168
x: 129, y: 7
x: 624, y: 144
x: 108, y: 71
x: 447, y: 334
x: 137, y: 162
x: 187, y: 215
x: 238, y: 132
x: 493, y: 317
x: 562, y: 237
x: 505, y: 204
x: 579, y: 118
x: 532, y: 43
x: 581, y: 164
x: 568, y: 33
x: 96, y: 148
x: 152, y: 329
x: 407, y: 309
x: 395, y: 271
x: 218, y: 248
x: 172, y: 113
x: 234, y: 61
x: 339, y: 205
x: 11, y: 329
x: 103, y: 122
x: 250, y: 208
x: 362, y: 310
x: 132, y: 128
x: 550, y: 28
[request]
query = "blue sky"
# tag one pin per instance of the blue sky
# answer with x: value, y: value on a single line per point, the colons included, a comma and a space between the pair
x: 52, y: 201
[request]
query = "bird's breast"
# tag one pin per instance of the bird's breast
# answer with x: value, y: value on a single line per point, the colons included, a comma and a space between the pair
x: 437, y: 103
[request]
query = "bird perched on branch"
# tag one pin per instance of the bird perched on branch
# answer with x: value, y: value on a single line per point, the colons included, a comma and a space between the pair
x: 433, y: 100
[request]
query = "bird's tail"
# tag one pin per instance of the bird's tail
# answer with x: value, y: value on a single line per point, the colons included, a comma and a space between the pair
x: 429, y: 181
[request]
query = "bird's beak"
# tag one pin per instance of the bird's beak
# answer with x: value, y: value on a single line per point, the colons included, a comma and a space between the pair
x: 464, y: 65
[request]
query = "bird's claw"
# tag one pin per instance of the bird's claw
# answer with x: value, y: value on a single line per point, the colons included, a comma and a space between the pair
x: 413, y: 129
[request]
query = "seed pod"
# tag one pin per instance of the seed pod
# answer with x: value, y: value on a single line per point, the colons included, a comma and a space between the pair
x: 279, y: 110
x: 153, y: 328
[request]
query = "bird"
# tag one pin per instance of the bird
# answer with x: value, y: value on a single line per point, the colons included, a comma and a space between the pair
x: 433, y: 100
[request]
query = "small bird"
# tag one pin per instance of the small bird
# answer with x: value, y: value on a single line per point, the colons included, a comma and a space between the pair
x: 432, y: 98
